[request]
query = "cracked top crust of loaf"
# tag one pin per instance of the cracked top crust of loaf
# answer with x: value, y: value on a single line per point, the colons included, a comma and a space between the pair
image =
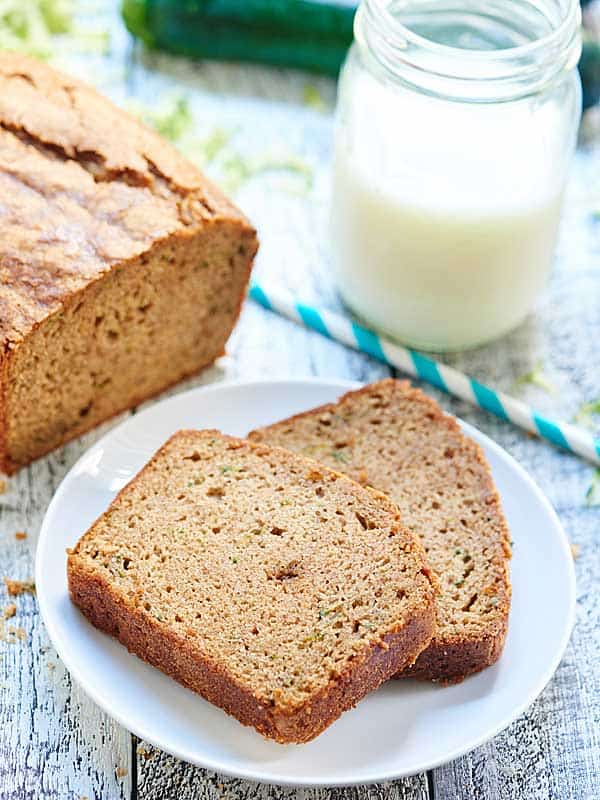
x: 83, y: 186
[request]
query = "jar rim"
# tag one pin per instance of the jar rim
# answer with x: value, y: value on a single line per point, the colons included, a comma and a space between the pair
x: 512, y: 71
x: 571, y: 18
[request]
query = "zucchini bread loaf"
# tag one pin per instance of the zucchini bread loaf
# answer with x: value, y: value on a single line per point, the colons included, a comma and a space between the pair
x: 122, y: 269
x: 395, y: 438
x: 277, y: 589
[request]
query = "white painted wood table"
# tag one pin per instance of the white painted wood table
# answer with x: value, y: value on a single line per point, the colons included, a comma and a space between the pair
x: 272, y: 150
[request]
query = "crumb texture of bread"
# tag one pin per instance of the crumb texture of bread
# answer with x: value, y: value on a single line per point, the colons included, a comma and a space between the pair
x: 395, y: 438
x: 279, y: 590
x: 122, y: 268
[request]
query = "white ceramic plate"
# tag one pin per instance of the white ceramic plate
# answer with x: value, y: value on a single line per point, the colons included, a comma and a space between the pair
x: 403, y: 728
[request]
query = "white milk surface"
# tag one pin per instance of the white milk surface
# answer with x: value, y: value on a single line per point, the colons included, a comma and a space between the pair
x: 444, y: 215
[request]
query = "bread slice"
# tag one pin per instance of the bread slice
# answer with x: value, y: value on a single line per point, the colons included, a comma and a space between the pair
x: 122, y: 268
x: 279, y: 590
x: 395, y: 438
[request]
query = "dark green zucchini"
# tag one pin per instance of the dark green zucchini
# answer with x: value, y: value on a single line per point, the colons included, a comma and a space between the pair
x: 589, y: 66
x: 312, y: 35
x: 306, y: 34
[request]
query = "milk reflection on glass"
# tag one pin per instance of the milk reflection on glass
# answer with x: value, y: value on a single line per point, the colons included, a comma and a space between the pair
x: 450, y: 164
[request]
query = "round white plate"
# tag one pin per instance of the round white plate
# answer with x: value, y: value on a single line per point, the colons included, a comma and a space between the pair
x: 403, y: 728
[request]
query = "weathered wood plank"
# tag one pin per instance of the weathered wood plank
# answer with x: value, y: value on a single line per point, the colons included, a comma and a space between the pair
x: 553, y: 750
x: 54, y: 742
x: 163, y: 777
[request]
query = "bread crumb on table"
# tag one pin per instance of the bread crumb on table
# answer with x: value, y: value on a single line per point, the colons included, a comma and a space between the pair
x: 144, y: 753
x: 12, y: 634
x: 15, y: 588
x: 20, y: 535
x: 2, y: 486
x: 575, y: 550
x: 9, y: 611
x: 120, y: 772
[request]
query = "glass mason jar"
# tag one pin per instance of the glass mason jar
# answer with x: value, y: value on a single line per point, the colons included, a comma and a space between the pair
x: 455, y: 127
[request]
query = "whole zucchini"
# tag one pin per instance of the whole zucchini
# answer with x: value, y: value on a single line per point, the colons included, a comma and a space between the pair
x: 312, y: 35
x: 306, y: 34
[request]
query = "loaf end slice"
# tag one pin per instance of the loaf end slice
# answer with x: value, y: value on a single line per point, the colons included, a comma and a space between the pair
x: 276, y: 588
x: 122, y: 268
x: 397, y: 439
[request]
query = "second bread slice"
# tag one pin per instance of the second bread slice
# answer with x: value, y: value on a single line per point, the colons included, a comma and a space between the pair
x: 395, y: 438
x: 279, y: 590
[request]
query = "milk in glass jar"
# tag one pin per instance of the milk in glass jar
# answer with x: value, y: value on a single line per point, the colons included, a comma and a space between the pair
x: 455, y: 126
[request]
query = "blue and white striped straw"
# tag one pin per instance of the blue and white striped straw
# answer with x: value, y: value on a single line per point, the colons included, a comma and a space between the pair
x: 344, y: 330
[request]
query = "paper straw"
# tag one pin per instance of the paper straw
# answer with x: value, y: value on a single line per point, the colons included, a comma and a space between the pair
x: 449, y: 380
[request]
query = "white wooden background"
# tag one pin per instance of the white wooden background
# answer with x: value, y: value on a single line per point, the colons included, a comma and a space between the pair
x: 54, y: 743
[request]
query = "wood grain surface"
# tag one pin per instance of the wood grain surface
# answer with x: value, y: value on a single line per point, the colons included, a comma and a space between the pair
x: 54, y: 742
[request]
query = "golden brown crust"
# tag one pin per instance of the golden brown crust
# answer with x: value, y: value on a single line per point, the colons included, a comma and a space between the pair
x: 86, y: 189
x: 183, y: 659
x: 449, y: 658
x: 7, y: 466
x: 84, y: 186
x: 63, y: 113
x: 450, y: 661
